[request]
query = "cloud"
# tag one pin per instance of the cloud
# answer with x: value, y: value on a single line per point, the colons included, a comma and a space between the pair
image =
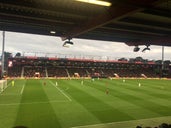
x: 20, y: 42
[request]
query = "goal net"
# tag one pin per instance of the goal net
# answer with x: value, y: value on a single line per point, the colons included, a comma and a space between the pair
x: 3, y: 85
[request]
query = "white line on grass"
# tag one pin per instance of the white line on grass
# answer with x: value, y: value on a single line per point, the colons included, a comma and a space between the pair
x: 45, y: 102
x: 10, y: 94
x: 5, y: 88
x: 120, y: 122
x: 61, y: 91
x: 21, y: 92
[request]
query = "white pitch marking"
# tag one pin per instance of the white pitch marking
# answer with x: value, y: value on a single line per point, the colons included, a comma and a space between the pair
x: 10, y: 94
x: 52, y: 101
x: 61, y: 91
x: 21, y: 92
x: 5, y: 88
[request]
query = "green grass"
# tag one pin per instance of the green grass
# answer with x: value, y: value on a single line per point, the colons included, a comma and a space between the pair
x: 32, y: 104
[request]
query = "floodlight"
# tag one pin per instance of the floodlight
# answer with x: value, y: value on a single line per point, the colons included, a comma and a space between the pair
x: 136, y: 49
x: 97, y: 2
x: 147, y: 48
x: 67, y: 43
x: 52, y: 32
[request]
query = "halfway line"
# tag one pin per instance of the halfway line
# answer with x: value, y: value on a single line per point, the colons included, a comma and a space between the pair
x: 61, y: 91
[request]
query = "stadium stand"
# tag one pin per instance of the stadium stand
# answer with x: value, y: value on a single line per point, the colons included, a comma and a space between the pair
x: 77, y: 72
x: 69, y: 67
x: 34, y: 71
x: 14, y: 71
x: 56, y: 72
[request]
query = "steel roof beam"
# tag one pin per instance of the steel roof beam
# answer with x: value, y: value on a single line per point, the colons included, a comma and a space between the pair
x: 115, y: 12
x: 132, y: 28
x: 158, y: 12
x: 150, y: 23
x: 165, y: 41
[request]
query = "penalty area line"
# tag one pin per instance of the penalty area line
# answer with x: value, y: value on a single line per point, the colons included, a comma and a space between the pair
x: 61, y: 91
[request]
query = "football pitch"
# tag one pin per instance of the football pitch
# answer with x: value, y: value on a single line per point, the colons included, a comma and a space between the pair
x: 104, y: 103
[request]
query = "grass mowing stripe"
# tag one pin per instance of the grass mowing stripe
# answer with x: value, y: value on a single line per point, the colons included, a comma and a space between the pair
x: 121, y: 93
x: 157, y: 85
x: 36, y: 115
x: 53, y: 101
x: 150, y: 94
x: 8, y: 114
x: 147, y: 101
x: 72, y: 113
x: 10, y: 94
x: 60, y: 91
x: 90, y: 104
x: 123, y: 124
x: 144, y: 92
x: 103, y: 112
x: 147, y: 87
x: 132, y: 109
x: 151, y: 104
x: 143, y: 100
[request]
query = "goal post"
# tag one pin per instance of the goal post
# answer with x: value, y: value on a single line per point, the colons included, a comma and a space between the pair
x: 3, y: 85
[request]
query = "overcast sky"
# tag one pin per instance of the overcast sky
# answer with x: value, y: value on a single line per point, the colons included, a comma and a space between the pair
x: 29, y: 43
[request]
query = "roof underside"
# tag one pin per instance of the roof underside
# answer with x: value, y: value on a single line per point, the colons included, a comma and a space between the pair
x: 135, y: 22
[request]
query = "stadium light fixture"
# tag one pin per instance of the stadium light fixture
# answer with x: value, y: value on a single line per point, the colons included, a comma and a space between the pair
x: 97, y: 2
x: 146, y: 48
x: 52, y: 32
x: 136, y: 49
x: 67, y: 43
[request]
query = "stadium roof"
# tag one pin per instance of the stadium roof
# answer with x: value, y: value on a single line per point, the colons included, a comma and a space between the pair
x: 134, y: 22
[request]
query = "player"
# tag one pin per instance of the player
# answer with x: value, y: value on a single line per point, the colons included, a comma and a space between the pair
x: 13, y: 83
x: 44, y: 83
x: 139, y: 84
x: 56, y: 83
x: 107, y: 91
x: 82, y: 82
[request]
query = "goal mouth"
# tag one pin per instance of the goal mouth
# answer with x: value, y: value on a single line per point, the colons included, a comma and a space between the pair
x: 3, y: 85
